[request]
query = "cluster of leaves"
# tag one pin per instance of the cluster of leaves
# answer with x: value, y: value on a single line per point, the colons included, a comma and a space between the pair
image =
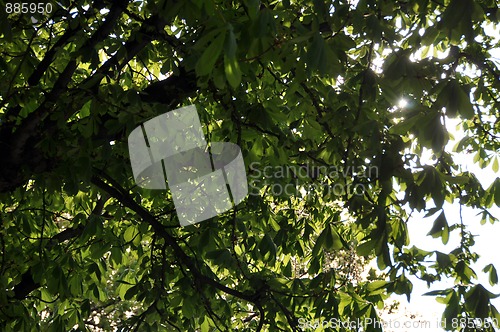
x: 292, y: 83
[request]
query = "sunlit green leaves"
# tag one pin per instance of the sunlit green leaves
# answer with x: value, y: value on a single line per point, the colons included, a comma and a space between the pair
x: 458, y: 19
x: 130, y: 233
x: 493, y: 193
x: 492, y: 272
x: 452, y: 309
x: 328, y: 239
x: 464, y: 271
x: 440, y: 228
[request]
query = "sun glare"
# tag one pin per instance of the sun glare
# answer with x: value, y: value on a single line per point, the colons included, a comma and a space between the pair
x: 402, y: 103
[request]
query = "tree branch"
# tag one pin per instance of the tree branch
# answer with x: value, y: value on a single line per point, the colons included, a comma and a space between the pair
x: 42, y: 67
x: 125, y: 199
x: 27, y: 284
x: 169, y: 91
x: 15, y: 141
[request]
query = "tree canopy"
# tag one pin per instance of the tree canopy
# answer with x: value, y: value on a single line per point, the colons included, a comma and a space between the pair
x: 310, y: 91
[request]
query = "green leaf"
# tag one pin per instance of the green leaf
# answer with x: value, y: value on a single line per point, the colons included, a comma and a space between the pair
x: 122, y: 290
x: 403, y: 285
x: 85, y: 111
x: 443, y: 292
x: 493, y: 276
x: 377, y: 287
x: 477, y: 300
x: 405, y: 125
x: 207, y: 61
x: 440, y: 228
x: 131, y: 292
x: 494, y: 167
x: 205, y: 326
x: 332, y: 239
x: 230, y: 45
x: 451, y: 310
x: 497, y: 192
x: 116, y: 255
x: 233, y: 72
x: 273, y: 223
x: 496, y: 315
x: 189, y: 306
x: 464, y: 272
x: 443, y: 260
x: 5, y: 27
x: 220, y: 256
x: 365, y: 248
x: 317, y: 55
x: 252, y: 7
x: 319, y: 244
x: 267, y: 248
x: 130, y: 233
x: 456, y: 100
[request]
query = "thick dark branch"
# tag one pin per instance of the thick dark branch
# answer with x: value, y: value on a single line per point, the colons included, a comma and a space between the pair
x: 18, y: 145
x: 15, y: 144
x: 262, y: 316
x: 170, y: 89
x: 28, y: 128
x: 289, y: 316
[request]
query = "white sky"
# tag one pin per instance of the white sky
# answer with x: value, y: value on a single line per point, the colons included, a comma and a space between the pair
x: 487, y: 246
x: 487, y: 241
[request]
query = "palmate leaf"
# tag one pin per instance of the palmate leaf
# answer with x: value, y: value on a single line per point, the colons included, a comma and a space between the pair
x: 493, y: 276
x: 477, y: 300
x: 440, y: 228
x: 456, y: 99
